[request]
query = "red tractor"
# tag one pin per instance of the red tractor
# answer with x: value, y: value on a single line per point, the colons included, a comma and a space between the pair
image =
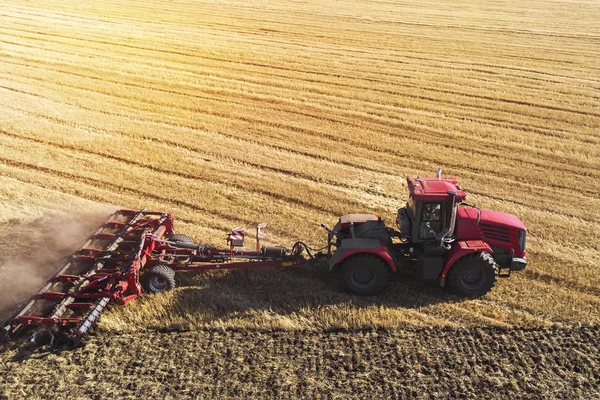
x: 465, y: 248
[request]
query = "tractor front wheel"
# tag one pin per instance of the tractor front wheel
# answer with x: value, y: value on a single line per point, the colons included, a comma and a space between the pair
x: 364, y: 274
x: 158, y: 279
x: 473, y: 275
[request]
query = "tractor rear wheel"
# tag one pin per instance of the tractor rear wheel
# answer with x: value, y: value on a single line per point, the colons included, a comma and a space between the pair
x: 473, y: 275
x: 158, y: 279
x: 364, y: 274
x: 180, y: 237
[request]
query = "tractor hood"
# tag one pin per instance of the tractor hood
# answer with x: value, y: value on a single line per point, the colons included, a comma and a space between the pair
x: 491, y: 223
x: 489, y: 217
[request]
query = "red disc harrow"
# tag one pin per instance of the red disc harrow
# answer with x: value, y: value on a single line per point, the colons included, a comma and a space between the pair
x: 108, y: 269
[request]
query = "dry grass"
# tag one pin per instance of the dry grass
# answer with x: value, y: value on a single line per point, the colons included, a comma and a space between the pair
x: 233, y: 113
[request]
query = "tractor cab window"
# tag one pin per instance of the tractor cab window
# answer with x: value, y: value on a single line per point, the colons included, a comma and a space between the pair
x: 431, y: 220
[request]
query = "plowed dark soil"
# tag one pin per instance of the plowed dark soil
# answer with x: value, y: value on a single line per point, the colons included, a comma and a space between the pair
x: 432, y: 363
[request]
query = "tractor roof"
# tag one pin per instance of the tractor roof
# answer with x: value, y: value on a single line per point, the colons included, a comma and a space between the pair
x: 434, y: 189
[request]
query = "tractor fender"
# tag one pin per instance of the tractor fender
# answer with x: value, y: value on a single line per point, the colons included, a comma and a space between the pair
x: 459, y: 250
x: 350, y: 247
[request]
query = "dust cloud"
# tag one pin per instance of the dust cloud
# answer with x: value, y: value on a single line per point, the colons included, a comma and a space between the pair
x: 32, y: 252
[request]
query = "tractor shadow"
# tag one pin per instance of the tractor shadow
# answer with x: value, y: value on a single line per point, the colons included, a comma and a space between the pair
x: 225, y: 295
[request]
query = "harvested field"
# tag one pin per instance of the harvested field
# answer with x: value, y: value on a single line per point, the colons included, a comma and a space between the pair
x: 231, y: 113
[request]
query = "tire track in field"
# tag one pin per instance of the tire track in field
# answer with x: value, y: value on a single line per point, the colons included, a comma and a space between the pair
x: 473, y: 117
x: 303, y: 15
x: 336, y: 75
x: 462, y: 108
x: 349, y: 141
x: 94, y: 110
x: 304, y: 71
x: 506, y: 124
x: 179, y: 174
x: 229, y: 61
x: 287, y: 149
x: 449, y: 64
x: 309, y: 17
x: 259, y: 83
x: 287, y: 127
x: 436, y: 89
x: 353, y: 50
x: 349, y: 86
x: 195, y: 149
x: 334, y: 185
x: 87, y: 196
x: 330, y: 50
x: 136, y: 193
x: 295, y: 150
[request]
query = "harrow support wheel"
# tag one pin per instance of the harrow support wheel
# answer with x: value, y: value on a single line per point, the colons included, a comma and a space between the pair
x: 158, y: 279
x: 364, y: 274
x: 473, y: 275
x: 43, y: 337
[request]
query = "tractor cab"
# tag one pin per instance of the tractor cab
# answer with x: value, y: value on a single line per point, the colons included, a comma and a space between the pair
x: 430, y: 213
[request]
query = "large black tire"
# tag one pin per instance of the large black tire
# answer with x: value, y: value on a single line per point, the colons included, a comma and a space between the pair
x: 158, y: 279
x: 473, y: 275
x: 364, y: 274
x: 180, y: 237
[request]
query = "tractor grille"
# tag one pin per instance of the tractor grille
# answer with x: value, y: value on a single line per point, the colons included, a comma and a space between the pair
x: 495, y: 233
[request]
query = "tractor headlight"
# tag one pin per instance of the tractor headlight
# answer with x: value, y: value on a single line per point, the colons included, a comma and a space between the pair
x: 522, y: 239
